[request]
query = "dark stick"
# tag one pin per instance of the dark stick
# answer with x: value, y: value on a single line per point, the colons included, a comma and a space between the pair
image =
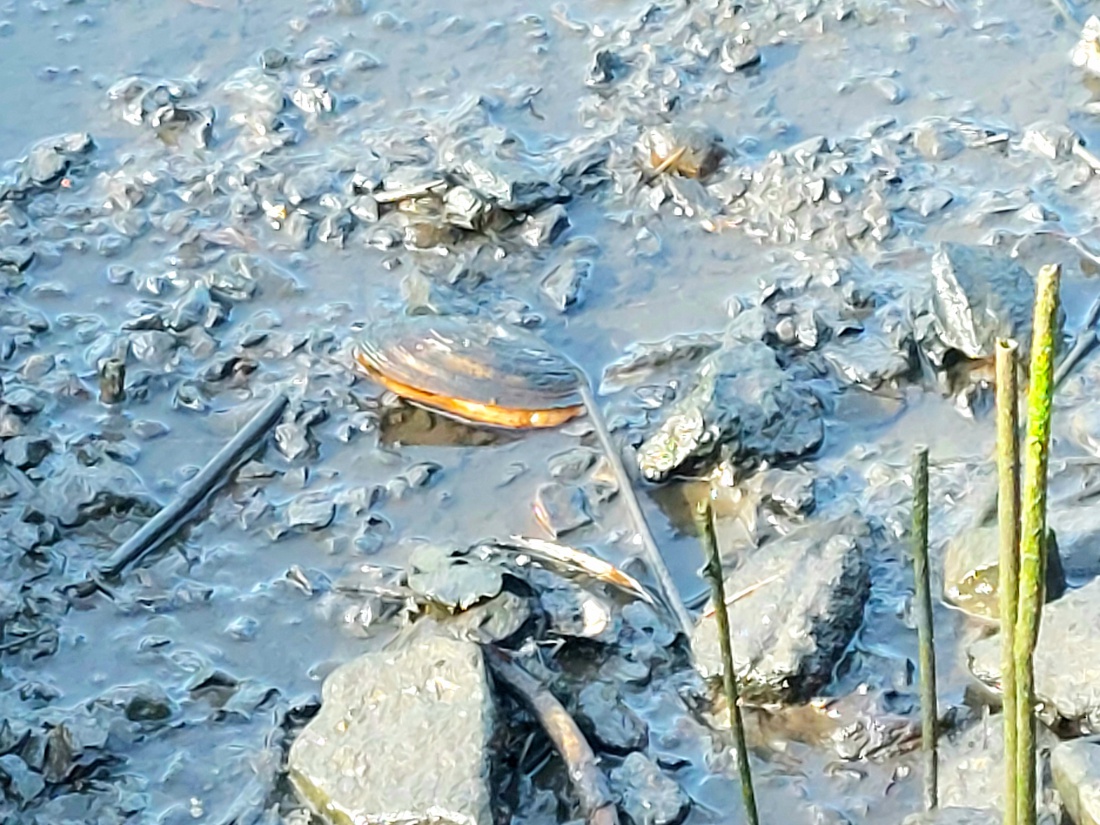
x: 191, y: 494
x: 584, y: 773
x: 704, y: 520
x: 1008, y: 502
x: 656, y: 563
x: 923, y: 603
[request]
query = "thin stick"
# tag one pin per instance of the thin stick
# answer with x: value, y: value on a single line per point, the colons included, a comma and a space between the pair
x: 584, y: 772
x: 1033, y: 532
x: 1083, y: 343
x: 928, y: 706
x: 1008, y: 503
x: 191, y: 494
x: 704, y: 520
x: 656, y: 563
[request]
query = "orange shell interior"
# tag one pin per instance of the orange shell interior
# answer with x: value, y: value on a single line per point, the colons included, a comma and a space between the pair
x: 473, y: 410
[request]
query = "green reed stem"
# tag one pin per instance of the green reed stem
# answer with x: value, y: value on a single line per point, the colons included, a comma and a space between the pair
x: 923, y: 603
x: 1033, y: 533
x: 704, y: 521
x: 1008, y: 511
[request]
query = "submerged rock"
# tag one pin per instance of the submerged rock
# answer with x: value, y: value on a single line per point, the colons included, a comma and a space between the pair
x: 743, y: 407
x: 1075, y: 767
x: 610, y: 724
x: 789, y: 634
x: 647, y: 795
x: 401, y: 737
x: 1067, y: 659
x: 972, y: 772
x: 971, y: 572
x: 561, y: 508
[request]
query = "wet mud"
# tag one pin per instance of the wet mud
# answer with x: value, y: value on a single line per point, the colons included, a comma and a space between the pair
x: 223, y: 196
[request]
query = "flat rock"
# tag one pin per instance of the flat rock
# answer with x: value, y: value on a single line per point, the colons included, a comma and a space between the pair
x: 1075, y: 767
x: 1067, y: 659
x: 978, y: 295
x: 647, y: 796
x: 611, y: 725
x: 789, y: 634
x: 972, y: 772
x: 401, y: 738
x: 561, y: 508
x: 742, y: 407
x: 311, y: 511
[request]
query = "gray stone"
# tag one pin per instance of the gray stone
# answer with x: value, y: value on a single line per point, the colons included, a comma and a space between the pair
x: 561, y: 508
x: 1075, y: 767
x: 789, y: 634
x: 979, y: 294
x: 743, y: 407
x: 74, y: 493
x: 401, y: 738
x: 1067, y: 659
x: 610, y: 724
x: 971, y: 771
x: 311, y: 511
x: 647, y: 795
x: 572, y: 464
x: 562, y: 284
x: 26, y: 451
x: 971, y: 572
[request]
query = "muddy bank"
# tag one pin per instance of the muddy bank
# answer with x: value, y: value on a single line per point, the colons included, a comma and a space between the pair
x: 223, y: 197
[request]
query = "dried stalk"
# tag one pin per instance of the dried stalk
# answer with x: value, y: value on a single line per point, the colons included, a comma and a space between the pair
x: 670, y: 594
x: 923, y: 604
x: 190, y: 495
x: 704, y: 520
x: 584, y: 772
x: 1033, y: 532
x: 1008, y: 503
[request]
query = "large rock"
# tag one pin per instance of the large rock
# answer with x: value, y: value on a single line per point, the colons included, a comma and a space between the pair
x: 978, y: 294
x: 1075, y: 767
x: 1067, y: 659
x: 743, y: 407
x: 401, y: 738
x: 788, y: 635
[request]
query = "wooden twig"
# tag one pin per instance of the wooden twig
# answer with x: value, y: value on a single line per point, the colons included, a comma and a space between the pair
x: 584, y: 773
x: 1008, y: 511
x: 670, y: 594
x: 923, y: 603
x: 191, y: 494
x: 704, y: 521
x: 1033, y: 532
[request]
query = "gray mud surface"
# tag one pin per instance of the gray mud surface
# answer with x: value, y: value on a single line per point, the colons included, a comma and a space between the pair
x: 210, y: 192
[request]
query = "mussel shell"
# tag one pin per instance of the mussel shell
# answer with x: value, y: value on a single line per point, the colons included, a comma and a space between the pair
x: 473, y: 369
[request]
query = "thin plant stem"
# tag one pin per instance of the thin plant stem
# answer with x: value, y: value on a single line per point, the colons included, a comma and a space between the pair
x: 1008, y: 511
x: 1033, y: 534
x: 923, y: 603
x: 704, y: 520
x: 670, y: 594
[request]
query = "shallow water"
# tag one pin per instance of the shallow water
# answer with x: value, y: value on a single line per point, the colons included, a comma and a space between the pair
x: 219, y: 600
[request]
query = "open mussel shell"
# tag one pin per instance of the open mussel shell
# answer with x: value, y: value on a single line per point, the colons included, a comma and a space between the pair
x: 472, y: 369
